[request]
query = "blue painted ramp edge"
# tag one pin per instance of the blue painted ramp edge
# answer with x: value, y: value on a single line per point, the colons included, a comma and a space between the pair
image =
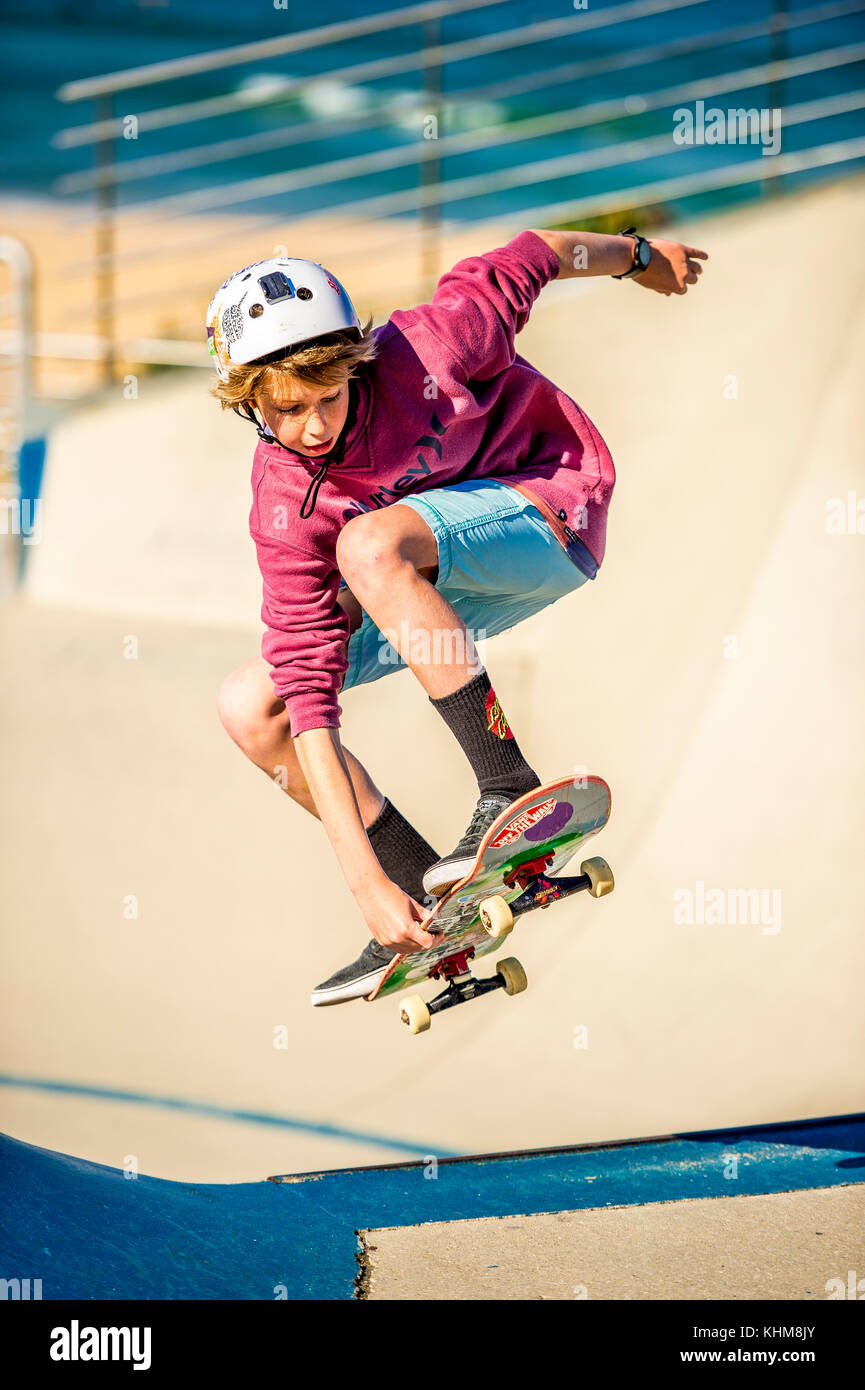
x: 89, y: 1232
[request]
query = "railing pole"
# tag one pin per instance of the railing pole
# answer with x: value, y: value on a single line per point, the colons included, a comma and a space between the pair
x: 430, y: 162
x: 778, y: 48
x: 15, y: 403
x: 105, y: 244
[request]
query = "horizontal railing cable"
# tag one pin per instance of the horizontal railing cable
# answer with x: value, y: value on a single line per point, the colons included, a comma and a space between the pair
x: 634, y: 151
x: 371, y: 70
x: 592, y: 113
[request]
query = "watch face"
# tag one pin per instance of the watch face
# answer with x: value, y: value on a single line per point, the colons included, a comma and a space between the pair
x: 644, y: 254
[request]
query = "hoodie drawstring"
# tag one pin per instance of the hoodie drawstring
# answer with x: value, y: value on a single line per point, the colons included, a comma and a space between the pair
x: 312, y: 491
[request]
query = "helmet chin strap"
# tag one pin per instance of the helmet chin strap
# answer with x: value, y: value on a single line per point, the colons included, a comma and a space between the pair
x: 246, y: 411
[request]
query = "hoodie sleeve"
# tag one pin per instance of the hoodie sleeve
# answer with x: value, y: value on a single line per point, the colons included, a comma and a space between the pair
x: 306, y: 634
x: 482, y: 304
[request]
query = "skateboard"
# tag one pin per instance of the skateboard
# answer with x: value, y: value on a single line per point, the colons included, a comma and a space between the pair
x: 516, y: 870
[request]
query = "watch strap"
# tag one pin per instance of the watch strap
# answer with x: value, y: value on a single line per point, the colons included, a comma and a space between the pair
x: 637, y: 268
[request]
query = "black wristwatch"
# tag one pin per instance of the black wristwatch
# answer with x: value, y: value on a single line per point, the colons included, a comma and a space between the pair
x: 642, y: 254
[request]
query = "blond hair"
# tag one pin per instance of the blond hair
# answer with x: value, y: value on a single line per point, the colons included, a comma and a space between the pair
x: 323, y: 362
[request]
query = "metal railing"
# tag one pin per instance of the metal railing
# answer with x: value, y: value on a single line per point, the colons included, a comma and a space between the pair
x: 17, y: 307
x: 418, y: 217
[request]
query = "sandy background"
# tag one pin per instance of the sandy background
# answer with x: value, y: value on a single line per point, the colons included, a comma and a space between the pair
x: 713, y: 675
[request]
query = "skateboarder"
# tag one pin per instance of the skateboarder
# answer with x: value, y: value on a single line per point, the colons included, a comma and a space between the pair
x: 413, y: 485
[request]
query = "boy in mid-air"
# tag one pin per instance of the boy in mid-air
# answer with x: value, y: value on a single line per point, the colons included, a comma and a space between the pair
x: 412, y: 483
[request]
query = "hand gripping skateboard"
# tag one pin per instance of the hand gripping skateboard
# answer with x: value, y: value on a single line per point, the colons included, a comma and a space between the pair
x: 516, y: 870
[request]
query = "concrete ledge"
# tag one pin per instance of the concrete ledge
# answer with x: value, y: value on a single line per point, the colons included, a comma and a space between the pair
x: 786, y: 1245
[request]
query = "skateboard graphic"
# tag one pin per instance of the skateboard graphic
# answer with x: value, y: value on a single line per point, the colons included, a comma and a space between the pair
x: 516, y: 870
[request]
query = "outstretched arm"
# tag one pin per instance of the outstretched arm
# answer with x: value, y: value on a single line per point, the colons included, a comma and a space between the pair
x: 672, y: 269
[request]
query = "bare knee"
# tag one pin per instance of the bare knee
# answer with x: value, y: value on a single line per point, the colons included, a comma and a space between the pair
x: 363, y: 545
x: 250, y: 712
x: 372, y: 546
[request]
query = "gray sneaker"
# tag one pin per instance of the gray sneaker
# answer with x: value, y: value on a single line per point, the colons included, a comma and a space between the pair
x: 354, y: 981
x: 442, y: 875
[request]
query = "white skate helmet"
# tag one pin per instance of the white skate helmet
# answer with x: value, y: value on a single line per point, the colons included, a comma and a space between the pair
x: 274, y: 305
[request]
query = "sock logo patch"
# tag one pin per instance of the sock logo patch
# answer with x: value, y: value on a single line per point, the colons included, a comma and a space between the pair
x: 496, y: 722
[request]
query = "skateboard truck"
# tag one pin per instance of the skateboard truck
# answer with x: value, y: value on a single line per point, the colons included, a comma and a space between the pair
x: 461, y: 983
x: 540, y: 889
x: 462, y: 986
x: 453, y: 967
x: 526, y: 872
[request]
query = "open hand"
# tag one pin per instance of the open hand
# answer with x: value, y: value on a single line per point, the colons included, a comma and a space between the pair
x: 673, y: 267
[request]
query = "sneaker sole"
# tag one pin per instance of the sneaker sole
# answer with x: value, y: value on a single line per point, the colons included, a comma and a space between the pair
x: 441, y: 877
x: 352, y: 989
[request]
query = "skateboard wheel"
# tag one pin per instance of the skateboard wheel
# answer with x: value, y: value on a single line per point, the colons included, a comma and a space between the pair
x: 601, y: 875
x: 513, y: 975
x: 496, y: 917
x: 415, y: 1014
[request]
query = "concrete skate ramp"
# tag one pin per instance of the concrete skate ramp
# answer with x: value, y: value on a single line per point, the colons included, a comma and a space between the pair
x: 170, y: 909
x: 460, y: 1229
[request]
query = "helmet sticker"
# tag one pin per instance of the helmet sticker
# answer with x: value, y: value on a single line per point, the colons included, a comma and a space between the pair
x: 232, y: 323
x: 217, y: 341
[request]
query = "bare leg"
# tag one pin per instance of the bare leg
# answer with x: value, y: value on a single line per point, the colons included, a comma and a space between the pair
x: 385, y: 557
x: 258, y: 723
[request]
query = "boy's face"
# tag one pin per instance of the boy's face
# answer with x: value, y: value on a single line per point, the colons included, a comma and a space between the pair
x: 305, y: 418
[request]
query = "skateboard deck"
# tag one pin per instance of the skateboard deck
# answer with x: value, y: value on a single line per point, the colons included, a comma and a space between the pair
x: 529, y: 842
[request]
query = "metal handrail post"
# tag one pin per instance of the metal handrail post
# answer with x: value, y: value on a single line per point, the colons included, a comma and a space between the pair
x: 430, y: 162
x: 106, y: 200
x: 14, y: 412
x: 778, y: 49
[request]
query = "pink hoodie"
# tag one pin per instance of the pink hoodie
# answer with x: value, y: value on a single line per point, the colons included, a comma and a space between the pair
x: 446, y: 399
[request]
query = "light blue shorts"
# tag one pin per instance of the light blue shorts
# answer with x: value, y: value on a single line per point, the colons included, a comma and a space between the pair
x: 498, y: 563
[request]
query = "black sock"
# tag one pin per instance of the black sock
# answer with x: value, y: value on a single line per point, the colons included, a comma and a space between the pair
x: 476, y: 720
x: 401, y: 850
